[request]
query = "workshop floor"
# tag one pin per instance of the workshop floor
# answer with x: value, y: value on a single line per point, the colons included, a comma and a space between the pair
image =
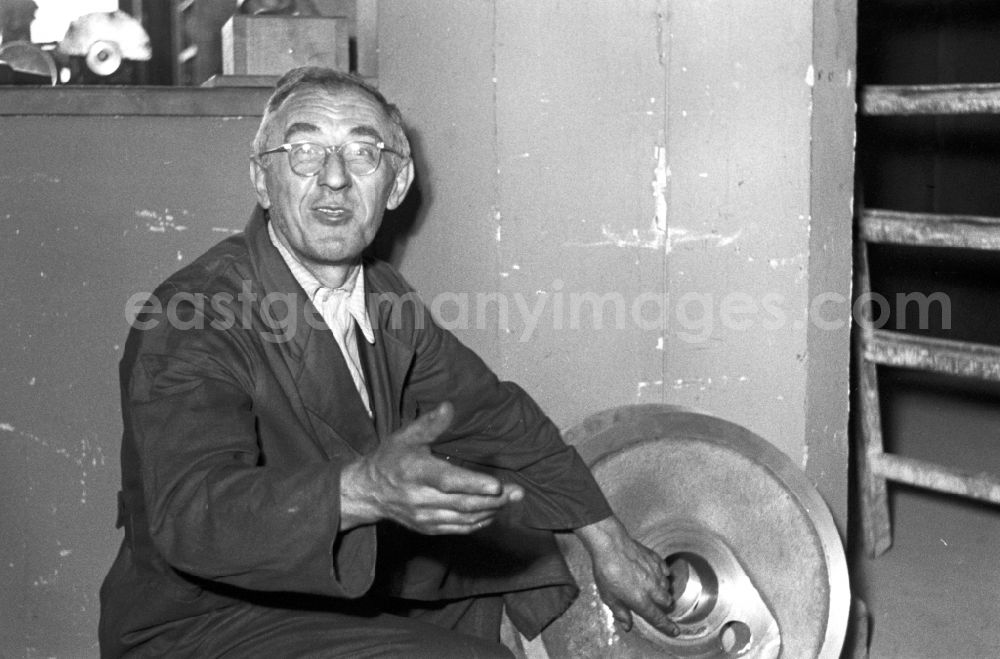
x: 936, y: 592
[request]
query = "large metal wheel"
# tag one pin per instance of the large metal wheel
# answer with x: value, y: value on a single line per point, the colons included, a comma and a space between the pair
x: 760, y: 568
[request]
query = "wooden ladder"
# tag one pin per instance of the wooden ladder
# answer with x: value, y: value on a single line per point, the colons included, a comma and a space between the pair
x: 875, y: 347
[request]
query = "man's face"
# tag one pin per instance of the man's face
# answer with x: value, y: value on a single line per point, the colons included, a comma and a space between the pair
x: 330, y: 218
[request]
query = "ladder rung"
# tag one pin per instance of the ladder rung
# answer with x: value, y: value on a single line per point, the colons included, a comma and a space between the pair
x: 930, y: 99
x: 930, y: 230
x: 959, y: 358
x: 939, y: 478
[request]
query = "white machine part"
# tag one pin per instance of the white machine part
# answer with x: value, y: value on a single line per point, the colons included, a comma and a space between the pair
x: 104, y: 39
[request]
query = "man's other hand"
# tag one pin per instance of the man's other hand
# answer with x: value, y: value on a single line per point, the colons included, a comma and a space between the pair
x: 630, y: 578
x: 403, y: 481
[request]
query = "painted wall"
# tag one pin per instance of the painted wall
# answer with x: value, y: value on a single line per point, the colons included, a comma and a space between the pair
x: 92, y: 210
x: 645, y: 158
x: 683, y: 168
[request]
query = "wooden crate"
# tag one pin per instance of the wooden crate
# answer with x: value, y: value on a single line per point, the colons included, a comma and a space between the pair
x: 270, y: 45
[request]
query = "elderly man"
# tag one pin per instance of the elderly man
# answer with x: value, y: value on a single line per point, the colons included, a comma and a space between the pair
x: 311, y: 466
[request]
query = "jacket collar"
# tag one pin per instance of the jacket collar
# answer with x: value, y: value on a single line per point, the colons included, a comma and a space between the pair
x: 315, y: 361
x: 313, y: 287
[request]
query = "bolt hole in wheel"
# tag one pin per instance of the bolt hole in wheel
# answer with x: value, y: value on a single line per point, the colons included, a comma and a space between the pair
x: 735, y: 638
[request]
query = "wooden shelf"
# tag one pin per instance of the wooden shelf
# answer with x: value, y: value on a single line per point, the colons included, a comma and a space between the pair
x: 899, y: 100
x: 930, y: 230
x: 95, y: 100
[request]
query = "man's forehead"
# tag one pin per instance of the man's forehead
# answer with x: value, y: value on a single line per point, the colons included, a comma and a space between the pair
x: 352, y: 130
x: 314, y: 110
x: 338, y: 102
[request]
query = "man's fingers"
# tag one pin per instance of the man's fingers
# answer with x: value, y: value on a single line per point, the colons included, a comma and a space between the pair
x: 434, y: 499
x: 457, y: 529
x: 662, y: 598
x: 433, y: 516
x: 658, y: 618
x: 457, y: 480
x: 449, y: 522
x: 513, y: 492
x: 622, y: 616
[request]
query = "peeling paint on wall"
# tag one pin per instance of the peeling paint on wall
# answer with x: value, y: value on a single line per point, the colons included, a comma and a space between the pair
x: 35, y: 177
x: 89, y: 455
x: 704, y: 383
x: 642, y: 386
x: 158, y: 222
x: 660, y: 175
x: 681, y: 236
x: 655, y: 239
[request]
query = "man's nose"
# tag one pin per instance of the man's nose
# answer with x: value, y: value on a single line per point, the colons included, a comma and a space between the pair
x: 334, y: 173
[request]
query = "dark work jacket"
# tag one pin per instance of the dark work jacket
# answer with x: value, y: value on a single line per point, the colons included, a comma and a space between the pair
x: 239, y: 413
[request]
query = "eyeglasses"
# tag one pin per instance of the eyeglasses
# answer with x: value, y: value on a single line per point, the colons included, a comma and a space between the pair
x: 308, y: 158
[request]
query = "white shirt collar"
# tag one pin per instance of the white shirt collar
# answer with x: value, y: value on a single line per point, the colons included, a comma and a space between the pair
x: 314, y: 287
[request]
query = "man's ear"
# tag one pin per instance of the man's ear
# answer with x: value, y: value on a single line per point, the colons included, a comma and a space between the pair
x: 259, y: 178
x: 400, y: 185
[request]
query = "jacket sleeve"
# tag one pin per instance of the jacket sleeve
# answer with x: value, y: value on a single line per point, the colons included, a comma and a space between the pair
x: 211, y: 505
x: 499, y: 426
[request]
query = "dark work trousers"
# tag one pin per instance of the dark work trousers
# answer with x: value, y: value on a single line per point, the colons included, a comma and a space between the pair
x: 462, y: 629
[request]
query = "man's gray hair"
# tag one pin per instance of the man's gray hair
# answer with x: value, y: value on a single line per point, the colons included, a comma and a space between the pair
x: 332, y: 81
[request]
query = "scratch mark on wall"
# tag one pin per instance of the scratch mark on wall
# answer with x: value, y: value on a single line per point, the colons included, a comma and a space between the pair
x: 159, y: 222
x: 658, y: 236
x: 42, y: 580
x: 681, y: 236
x: 225, y: 230
x: 642, y: 386
x: 704, y: 383
x: 661, y: 172
x: 88, y: 454
x: 655, y: 239
x: 650, y: 239
x: 661, y: 55
x: 776, y: 263
x: 34, y: 177
x: 810, y: 76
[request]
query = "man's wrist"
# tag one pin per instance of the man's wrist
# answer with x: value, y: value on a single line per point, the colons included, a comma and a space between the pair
x: 356, y: 505
x: 602, y: 536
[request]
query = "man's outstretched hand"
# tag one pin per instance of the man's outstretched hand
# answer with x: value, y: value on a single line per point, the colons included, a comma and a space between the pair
x: 403, y: 481
x: 629, y: 577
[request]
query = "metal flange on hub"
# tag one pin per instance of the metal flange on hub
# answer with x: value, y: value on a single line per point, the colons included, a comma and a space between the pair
x: 758, y: 568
